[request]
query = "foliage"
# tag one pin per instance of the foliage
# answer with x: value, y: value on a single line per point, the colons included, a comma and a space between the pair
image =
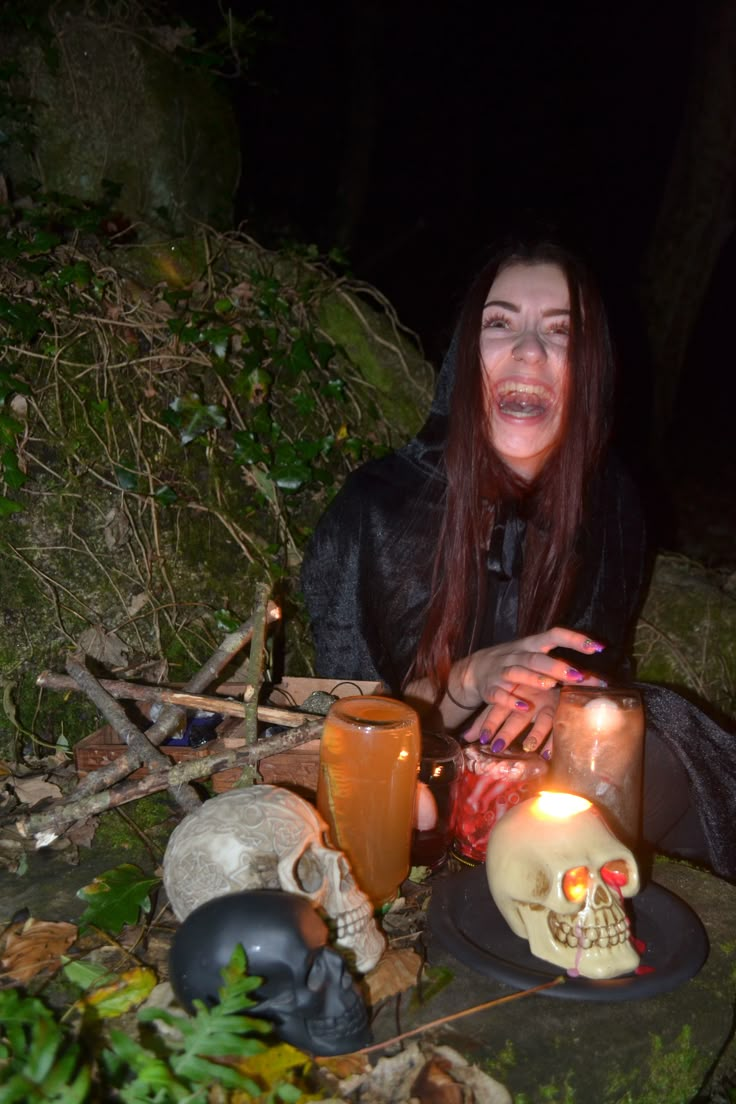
x: 218, y: 1048
x: 162, y: 409
x: 116, y: 897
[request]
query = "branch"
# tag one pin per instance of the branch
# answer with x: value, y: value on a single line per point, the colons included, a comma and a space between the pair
x: 171, y: 717
x: 46, y: 826
x: 137, y: 743
x: 136, y: 691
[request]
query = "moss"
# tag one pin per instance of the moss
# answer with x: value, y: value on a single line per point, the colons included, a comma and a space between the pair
x: 390, y: 367
x: 674, y: 1075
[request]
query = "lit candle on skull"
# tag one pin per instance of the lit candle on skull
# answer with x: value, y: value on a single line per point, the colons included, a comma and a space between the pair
x: 598, y: 751
x: 559, y: 878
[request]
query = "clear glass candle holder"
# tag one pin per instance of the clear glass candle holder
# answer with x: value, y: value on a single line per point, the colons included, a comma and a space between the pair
x: 598, y: 753
x: 440, y: 768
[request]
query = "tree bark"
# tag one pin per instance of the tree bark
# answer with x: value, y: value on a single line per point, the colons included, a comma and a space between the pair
x: 697, y: 211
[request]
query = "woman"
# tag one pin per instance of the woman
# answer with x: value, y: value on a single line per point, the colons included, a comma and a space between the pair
x: 501, y: 554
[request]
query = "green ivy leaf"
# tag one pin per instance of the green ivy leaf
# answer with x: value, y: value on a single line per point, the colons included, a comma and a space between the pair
x: 305, y: 404
x: 334, y: 389
x: 196, y: 419
x: 21, y: 317
x: 166, y: 496
x: 8, y: 507
x: 248, y: 449
x: 115, y: 898
x: 225, y: 620
x: 257, y: 385
x: 79, y: 274
x: 126, y: 479
x: 42, y: 242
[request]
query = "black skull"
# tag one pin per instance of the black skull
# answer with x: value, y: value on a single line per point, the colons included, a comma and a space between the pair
x: 307, y: 992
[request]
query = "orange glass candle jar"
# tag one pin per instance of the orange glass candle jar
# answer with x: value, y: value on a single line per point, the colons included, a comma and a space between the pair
x: 369, y: 755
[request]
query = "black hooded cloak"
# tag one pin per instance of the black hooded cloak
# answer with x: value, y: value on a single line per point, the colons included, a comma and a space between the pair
x: 366, y: 580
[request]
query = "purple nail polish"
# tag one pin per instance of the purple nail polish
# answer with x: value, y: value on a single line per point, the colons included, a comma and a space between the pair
x: 573, y: 675
x: 521, y: 705
x: 602, y: 682
x: 497, y: 745
x: 595, y: 645
x: 485, y: 736
x: 546, y: 754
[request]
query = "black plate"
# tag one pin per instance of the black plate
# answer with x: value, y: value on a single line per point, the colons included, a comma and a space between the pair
x: 464, y: 918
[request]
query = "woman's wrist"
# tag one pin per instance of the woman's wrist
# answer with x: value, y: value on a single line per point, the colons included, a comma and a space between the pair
x: 460, y: 690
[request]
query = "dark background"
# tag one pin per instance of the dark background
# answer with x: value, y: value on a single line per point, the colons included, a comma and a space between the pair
x: 411, y: 136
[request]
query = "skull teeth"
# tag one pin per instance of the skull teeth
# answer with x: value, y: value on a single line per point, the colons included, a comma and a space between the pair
x: 610, y: 932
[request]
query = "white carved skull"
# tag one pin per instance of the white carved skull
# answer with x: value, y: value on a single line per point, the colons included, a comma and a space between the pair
x: 265, y: 837
x: 558, y: 878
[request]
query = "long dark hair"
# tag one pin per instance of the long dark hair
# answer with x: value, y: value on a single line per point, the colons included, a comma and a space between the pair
x: 479, y: 483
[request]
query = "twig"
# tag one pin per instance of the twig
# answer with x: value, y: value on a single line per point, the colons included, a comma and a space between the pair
x: 255, y: 676
x: 459, y: 1015
x: 132, y: 691
x: 171, y: 716
x: 46, y: 826
x: 138, y: 745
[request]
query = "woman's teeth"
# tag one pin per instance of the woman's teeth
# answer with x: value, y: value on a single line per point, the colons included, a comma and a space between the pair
x: 524, y: 402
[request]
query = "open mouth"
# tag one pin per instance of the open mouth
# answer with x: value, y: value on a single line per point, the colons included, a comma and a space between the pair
x: 523, y: 400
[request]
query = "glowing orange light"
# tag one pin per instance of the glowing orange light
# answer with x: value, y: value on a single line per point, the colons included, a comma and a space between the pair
x: 560, y: 806
x: 575, y: 883
x: 615, y: 873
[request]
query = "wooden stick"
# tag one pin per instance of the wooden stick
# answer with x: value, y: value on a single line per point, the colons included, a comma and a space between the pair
x: 137, y: 691
x: 167, y: 723
x: 46, y: 826
x: 185, y: 796
x: 255, y: 677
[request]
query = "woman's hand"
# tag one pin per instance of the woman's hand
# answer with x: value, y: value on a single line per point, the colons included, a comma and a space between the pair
x: 519, y: 680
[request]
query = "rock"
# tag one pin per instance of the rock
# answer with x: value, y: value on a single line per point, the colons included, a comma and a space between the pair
x: 638, y: 1052
x: 117, y: 106
x: 686, y: 636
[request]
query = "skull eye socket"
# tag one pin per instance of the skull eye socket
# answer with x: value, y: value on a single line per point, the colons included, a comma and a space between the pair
x: 615, y: 873
x: 308, y: 873
x: 575, y: 883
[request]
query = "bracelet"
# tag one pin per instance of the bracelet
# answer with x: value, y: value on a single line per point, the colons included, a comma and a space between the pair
x: 453, y: 699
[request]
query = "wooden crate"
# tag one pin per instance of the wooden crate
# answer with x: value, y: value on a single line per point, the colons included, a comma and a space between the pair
x: 296, y: 768
x: 103, y: 745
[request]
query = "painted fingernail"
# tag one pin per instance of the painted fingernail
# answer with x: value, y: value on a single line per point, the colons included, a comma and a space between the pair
x: 497, y: 745
x: 546, y: 754
x: 573, y: 675
x: 544, y: 681
x: 602, y: 682
x: 529, y: 744
x: 485, y: 736
x: 594, y: 645
x: 521, y: 705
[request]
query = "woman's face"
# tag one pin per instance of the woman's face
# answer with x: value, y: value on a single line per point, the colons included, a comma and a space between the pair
x: 523, y: 347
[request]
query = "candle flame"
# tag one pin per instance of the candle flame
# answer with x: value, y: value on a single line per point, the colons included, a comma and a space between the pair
x: 560, y: 806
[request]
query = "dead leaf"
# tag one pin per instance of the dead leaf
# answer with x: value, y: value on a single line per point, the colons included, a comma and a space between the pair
x: 30, y: 791
x: 117, y: 530
x: 137, y: 602
x: 242, y: 292
x: 35, y: 947
x: 435, y: 1085
x: 103, y: 645
x: 344, y: 1065
x: 172, y: 38
x: 19, y: 407
x: 83, y: 832
x: 395, y: 973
